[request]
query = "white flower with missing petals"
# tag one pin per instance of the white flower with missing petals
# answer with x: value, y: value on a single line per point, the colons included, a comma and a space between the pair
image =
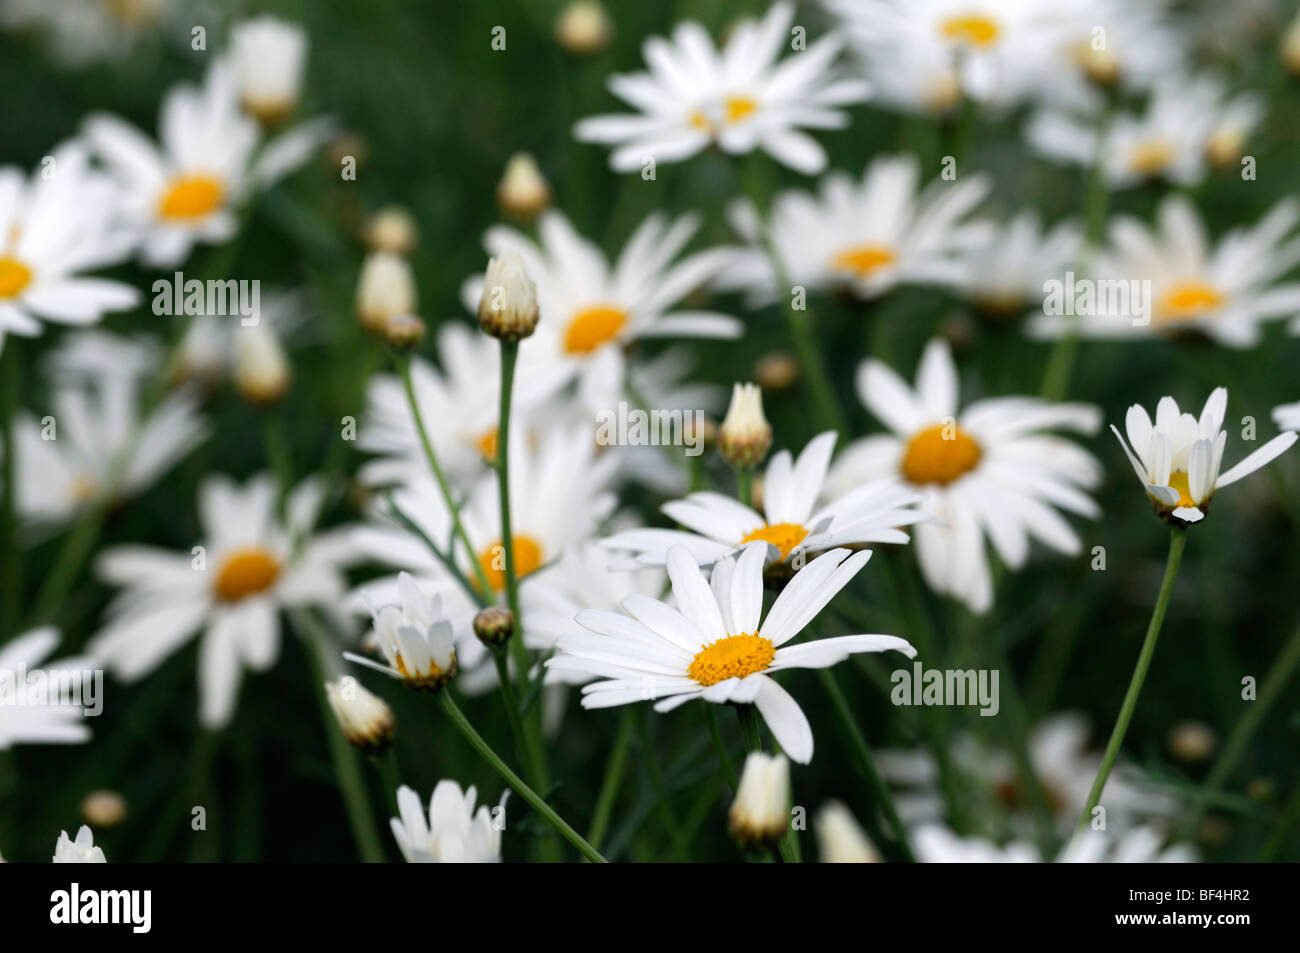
x: 453, y: 832
x: 415, y: 639
x: 1178, y: 457
x: 714, y: 645
x: 80, y: 851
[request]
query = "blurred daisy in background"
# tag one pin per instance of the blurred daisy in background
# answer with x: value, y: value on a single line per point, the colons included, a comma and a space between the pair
x: 81, y: 33
x: 1223, y: 290
x: 250, y: 565
x: 45, y: 724
x: 1005, y: 277
x: 268, y: 56
x: 865, y: 237
x: 915, y: 78
x: 991, y: 470
x: 840, y: 839
x: 453, y: 832
x: 79, y: 851
x: 712, y: 644
x: 1287, y: 416
x: 209, y: 350
x: 1177, y: 458
x: 741, y: 98
x: 936, y: 844
x: 55, y: 225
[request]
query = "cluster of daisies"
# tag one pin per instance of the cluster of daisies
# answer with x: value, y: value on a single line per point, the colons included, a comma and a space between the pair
x: 499, y: 553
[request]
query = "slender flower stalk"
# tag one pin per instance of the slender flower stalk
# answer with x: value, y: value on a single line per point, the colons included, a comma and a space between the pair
x: 10, y: 581
x: 1177, y: 541
x: 534, y: 800
x: 615, y: 767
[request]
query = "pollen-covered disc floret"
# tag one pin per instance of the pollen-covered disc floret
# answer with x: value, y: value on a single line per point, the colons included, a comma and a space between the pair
x: 733, y: 656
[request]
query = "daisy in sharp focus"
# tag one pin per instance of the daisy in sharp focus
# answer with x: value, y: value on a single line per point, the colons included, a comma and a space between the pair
x: 1177, y: 458
x: 250, y: 565
x: 1222, y: 290
x: 453, y: 832
x: 792, y: 523
x: 45, y: 724
x: 741, y: 98
x: 993, y: 469
x: 714, y: 645
x: 865, y: 237
x: 55, y: 225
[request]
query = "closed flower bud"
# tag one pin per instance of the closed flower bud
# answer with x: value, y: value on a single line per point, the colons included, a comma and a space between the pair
x: 776, y: 371
x: 761, y: 810
x: 386, y: 289
x: 262, y: 372
x: 745, y: 435
x: 583, y: 28
x: 1225, y: 147
x: 403, y: 332
x: 268, y: 57
x: 494, y: 626
x: 1192, y: 741
x: 391, y: 229
x: 839, y: 838
x: 103, y: 809
x: 508, y: 308
x: 1291, y: 47
x: 523, y: 193
x: 365, y: 719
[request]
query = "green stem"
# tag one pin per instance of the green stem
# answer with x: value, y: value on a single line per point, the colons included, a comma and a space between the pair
x: 10, y: 578
x: 77, y: 546
x: 728, y: 768
x: 527, y: 744
x: 745, y: 485
x: 534, y: 801
x: 277, y: 451
x: 609, y: 786
x: 1177, y: 541
x: 666, y: 817
x: 390, y: 775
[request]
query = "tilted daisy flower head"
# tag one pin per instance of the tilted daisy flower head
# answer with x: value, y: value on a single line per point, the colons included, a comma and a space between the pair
x: 591, y: 309
x: 993, y: 469
x: 741, y: 98
x: 54, y: 226
x: 415, y: 639
x: 1177, y: 458
x: 1222, y: 290
x: 189, y: 189
x: 865, y: 237
x: 249, y: 566
x: 453, y: 832
x: 1005, y: 277
x: 39, y: 724
x: 715, y: 644
x: 792, y: 525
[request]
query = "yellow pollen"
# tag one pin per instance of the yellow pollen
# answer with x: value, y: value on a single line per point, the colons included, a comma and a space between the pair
x: 486, y: 445
x: 82, y: 489
x: 14, y: 277
x: 1186, y: 300
x: 1151, y: 158
x: 862, y: 260
x: 733, y: 656
x: 939, y: 454
x: 738, y: 107
x: 191, y: 196
x: 432, y: 679
x: 971, y: 29
x: 246, y: 572
x: 592, y: 327
x: 1179, y: 481
x: 528, y: 558
x: 784, y: 536
x: 700, y: 121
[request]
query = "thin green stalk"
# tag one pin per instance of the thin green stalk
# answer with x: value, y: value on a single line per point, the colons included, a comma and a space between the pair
x: 1177, y: 541
x: 745, y: 485
x: 10, y: 578
x: 390, y: 775
x: 666, y: 817
x: 77, y: 546
x: 527, y: 745
x: 277, y: 451
x: 728, y: 768
x: 609, y: 785
x: 458, y: 718
x: 446, y: 559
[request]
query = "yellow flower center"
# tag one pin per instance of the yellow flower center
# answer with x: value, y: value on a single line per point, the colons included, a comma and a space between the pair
x: 593, y: 327
x: 528, y: 558
x: 191, y: 196
x: 14, y: 277
x: 1179, y: 482
x: 734, y: 109
x: 246, y: 572
x: 733, y: 656
x: 784, y: 536
x: 82, y: 488
x: 486, y: 445
x: 1188, y: 299
x: 1151, y: 158
x: 940, y: 454
x: 972, y: 29
x: 862, y: 260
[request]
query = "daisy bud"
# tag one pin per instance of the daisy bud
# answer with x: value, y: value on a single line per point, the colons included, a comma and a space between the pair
x: 583, y: 28
x: 403, y: 332
x: 1100, y: 66
x: 700, y: 431
x: 386, y: 289
x: 391, y: 229
x: 508, y: 308
x: 494, y: 626
x: 262, y: 373
x: 268, y: 56
x: 776, y: 371
x: 366, y: 720
x: 1192, y: 741
x: 745, y: 435
x: 839, y: 838
x: 760, y: 811
x: 79, y: 851
x: 524, y: 192
x: 103, y: 809
x: 1291, y: 47
x: 1225, y: 147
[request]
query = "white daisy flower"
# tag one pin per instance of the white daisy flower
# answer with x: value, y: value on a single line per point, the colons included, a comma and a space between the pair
x: 209, y: 350
x: 191, y: 188
x: 1005, y: 277
x: 249, y: 566
x: 936, y: 844
x: 713, y: 645
x: 1223, y: 290
x: 1178, y: 457
x: 590, y: 308
x: 865, y: 237
x: 81, y: 33
x: 415, y: 639
x: 268, y: 55
x: 1287, y: 416
x: 792, y: 525
x: 453, y: 833
x: 80, y: 851
x: 1142, y: 845
x: 98, y: 444
x: 992, y: 469
x: 741, y: 98
x: 38, y: 724
x: 54, y: 226
x: 916, y: 78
